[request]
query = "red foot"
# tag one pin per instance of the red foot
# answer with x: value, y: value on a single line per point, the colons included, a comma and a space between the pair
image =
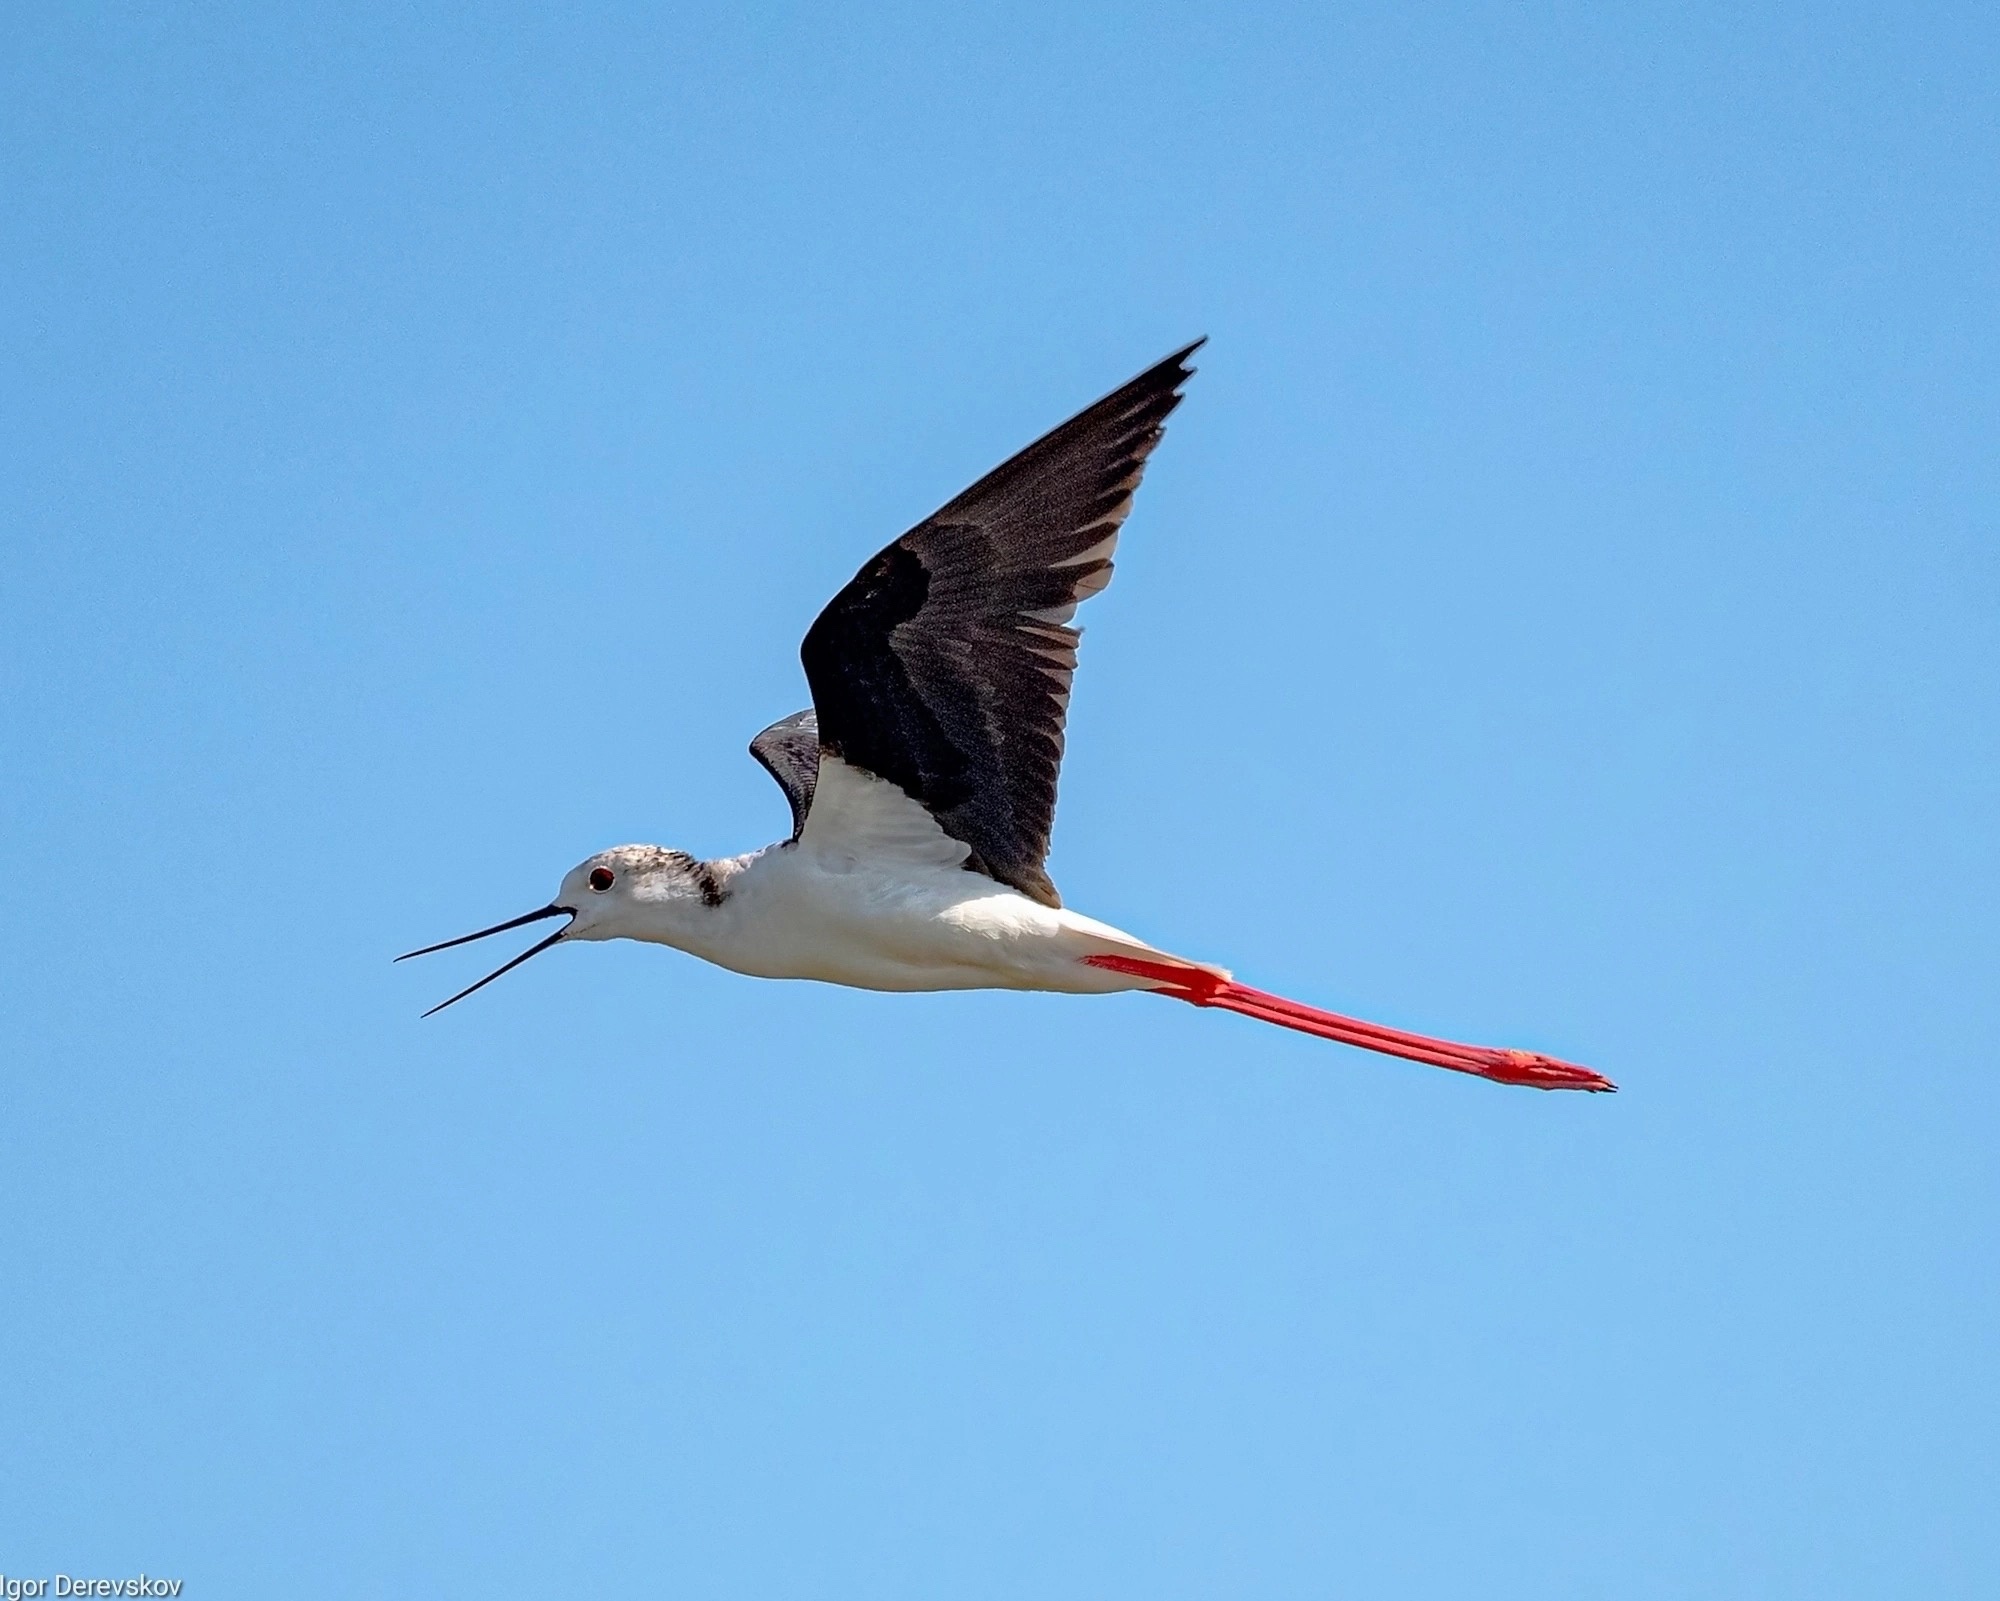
x: 1199, y: 988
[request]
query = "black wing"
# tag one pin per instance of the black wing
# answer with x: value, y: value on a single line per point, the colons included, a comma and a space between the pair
x: 945, y: 665
x: 789, y: 751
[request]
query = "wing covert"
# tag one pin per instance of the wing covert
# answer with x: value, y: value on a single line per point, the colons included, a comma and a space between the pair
x: 789, y: 750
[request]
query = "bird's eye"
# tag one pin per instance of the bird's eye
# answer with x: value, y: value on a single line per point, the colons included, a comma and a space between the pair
x: 601, y: 879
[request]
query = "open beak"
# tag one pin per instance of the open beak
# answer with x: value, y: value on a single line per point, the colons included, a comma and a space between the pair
x: 498, y: 928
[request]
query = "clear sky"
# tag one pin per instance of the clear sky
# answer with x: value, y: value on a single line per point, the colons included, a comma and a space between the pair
x: 1564, y: 613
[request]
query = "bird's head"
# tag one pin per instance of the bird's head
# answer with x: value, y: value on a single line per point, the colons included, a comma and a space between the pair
x: 633, y: 891
x: 627, y: 892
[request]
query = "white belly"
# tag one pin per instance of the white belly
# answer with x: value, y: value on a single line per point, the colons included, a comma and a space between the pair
x: 793, y: 912
x: 875, y: 895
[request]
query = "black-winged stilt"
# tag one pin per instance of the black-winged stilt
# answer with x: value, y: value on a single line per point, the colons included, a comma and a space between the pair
x: 923, y: 780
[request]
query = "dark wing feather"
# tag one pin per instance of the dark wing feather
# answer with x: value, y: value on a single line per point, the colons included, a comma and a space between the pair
x: 945, y: 666
x: 789, y: 751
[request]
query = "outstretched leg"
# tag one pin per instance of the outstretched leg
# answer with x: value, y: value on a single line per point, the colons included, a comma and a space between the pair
x: 1199, y: 988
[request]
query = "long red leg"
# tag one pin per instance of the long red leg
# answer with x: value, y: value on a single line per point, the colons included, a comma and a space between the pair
x: 1199, y: 988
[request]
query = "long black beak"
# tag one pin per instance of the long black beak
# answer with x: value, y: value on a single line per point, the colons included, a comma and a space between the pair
x: 498, y: 928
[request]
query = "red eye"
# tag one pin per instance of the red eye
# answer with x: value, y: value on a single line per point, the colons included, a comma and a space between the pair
x: 601, y: 879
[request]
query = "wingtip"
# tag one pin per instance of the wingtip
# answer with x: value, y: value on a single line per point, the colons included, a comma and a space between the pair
x: 1175, y: 364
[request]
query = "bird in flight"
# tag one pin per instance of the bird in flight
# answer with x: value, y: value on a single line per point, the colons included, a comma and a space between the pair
x: 922, y: 781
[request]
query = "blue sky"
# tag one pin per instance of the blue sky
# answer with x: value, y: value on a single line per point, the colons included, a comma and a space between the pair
x: 1564, y: 614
